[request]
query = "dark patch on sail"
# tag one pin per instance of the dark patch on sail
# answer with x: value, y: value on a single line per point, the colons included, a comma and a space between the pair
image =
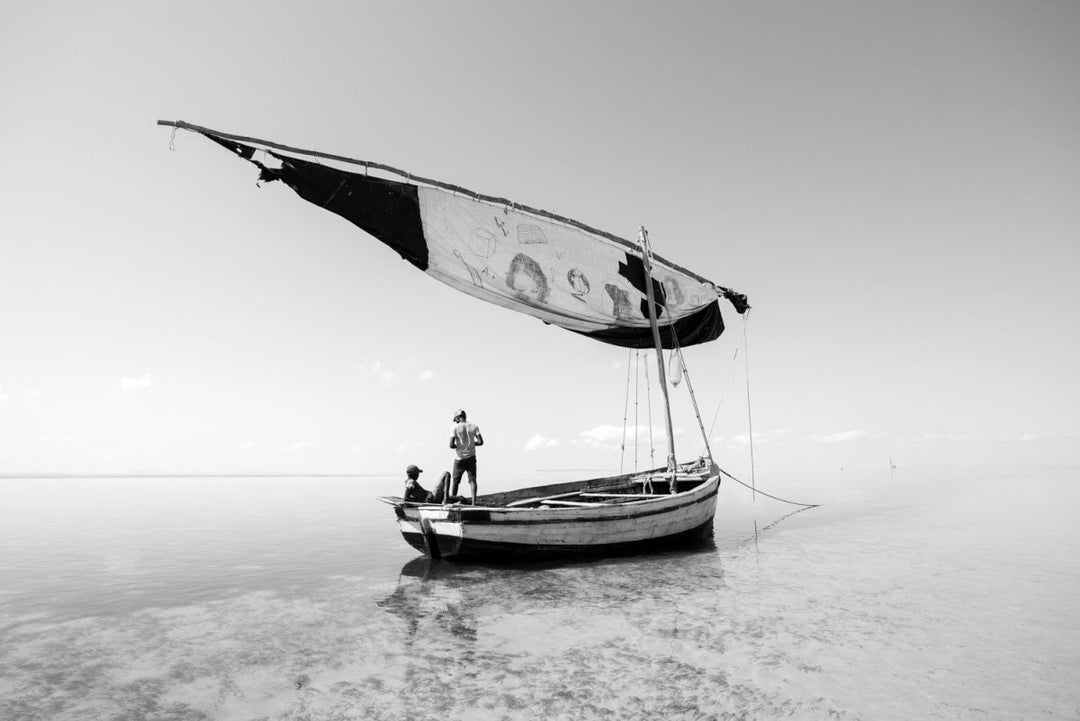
x: 634, y: 271
x: 700, y: 326
x: 244, y: 151
x: 386, y: 209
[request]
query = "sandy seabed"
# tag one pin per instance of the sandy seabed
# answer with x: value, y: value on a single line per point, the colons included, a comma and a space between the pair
x: 894, y: 607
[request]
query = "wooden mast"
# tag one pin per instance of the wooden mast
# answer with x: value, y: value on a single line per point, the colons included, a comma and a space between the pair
x: 646, y: 251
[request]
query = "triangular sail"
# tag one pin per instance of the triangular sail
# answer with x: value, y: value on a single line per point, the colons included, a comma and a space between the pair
x: 551, y: 268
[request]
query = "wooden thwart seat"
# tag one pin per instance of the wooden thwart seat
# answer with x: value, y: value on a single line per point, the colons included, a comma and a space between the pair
x: 570, y: 503
x: 527, y: 501
x: 623, y: 495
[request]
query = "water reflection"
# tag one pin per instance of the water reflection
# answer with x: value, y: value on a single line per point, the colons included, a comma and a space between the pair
x: 418, y: 595
x: 444, y: 594
x: 439, y: 599
x: 282, y: 621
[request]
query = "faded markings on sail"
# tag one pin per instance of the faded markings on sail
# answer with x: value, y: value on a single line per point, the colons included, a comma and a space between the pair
x: 551, y: 268
x: 559, y: 274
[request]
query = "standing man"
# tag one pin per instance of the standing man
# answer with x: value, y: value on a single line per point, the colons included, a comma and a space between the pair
x: 464, y: 439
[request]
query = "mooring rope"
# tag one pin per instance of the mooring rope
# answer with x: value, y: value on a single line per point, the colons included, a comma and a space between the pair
x: 775, y: 498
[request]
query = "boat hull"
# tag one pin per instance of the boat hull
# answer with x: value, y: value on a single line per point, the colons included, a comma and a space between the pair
x: 466, y: 532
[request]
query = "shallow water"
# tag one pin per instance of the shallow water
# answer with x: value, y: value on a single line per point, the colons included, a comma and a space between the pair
x: 927, y: 596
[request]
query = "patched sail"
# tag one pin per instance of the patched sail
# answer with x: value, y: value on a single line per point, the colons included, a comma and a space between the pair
x: 554, y: 269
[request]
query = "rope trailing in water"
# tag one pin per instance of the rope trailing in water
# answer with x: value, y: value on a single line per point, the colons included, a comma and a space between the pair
x: 775, y: 498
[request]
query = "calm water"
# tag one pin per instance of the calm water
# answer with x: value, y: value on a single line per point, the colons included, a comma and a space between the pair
x: 929, y: 596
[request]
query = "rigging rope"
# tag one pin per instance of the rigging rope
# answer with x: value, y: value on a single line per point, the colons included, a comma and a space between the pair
x: 626, y: 406
x: 746, y: 357
x: 749, y: 415
x: 690, y: 389
x: 648, y: 397
x: 637, y: 385
x: 723, y: 392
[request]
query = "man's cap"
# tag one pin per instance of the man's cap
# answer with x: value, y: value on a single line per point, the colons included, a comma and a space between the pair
x: 410, y: 468
x: 459, y: 413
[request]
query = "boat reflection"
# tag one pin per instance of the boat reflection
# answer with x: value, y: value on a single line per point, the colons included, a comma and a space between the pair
x: 440, y: 601
x: 426, y: 592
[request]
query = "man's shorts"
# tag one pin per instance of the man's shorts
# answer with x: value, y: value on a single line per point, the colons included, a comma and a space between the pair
x: 461, y: 466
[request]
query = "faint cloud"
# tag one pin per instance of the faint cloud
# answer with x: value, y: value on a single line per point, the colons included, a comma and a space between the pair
x: 298, y: 447
x: 51, y: 440
x: 246, y: 445
x: 385, y: 374
x: 839, y: 437
x: 601, y: 434
x: 4, y: 397
x: 539, y: 441
x: 760, y: 438
x: 611, y: 437
x: 982, y: 437
x: 378, y: 370
x: 409, y: 368
x: 30, y: 395
x: 128, y: 384
x: 355, y: 450
x: 940, y: 438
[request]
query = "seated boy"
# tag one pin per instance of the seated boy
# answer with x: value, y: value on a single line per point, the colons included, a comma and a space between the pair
x: 416, y: 493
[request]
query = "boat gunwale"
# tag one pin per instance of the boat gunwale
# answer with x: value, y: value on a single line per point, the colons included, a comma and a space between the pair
x: 468, y: 515
x: 569, y: 489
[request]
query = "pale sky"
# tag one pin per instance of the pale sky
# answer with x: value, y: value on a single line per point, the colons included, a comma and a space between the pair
x: 894, y: 185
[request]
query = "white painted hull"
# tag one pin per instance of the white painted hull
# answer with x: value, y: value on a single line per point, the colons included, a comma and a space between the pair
x: 616, y: 526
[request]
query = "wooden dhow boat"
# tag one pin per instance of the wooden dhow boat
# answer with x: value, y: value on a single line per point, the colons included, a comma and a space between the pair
x: 630, y: 513
x: 564, y: 273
